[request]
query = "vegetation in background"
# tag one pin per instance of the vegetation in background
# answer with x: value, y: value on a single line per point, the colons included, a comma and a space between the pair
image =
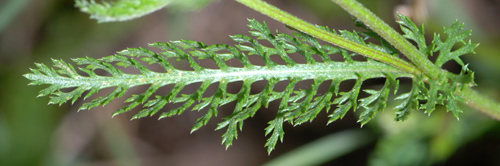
x: 294, y: 110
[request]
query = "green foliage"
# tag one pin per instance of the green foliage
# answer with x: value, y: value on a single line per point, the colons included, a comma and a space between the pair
x: 438, y: 91
x: 413, y: 32
x: 296, y: 106
x: 445, y: 48
x: 123, y: 10
x: 455, y: 36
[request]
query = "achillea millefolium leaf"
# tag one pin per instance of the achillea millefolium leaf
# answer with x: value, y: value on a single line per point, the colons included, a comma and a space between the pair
x: 296, y: 105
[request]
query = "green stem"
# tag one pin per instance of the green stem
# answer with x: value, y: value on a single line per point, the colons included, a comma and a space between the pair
x: 482, y: 103
x: 327, y: 36
x: 474, y: 99
x: 385, y: 31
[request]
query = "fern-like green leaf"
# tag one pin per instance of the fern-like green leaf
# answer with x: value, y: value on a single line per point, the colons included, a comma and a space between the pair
x: 413, y: 32
x: 441, y: 91
x: 411, y: 101
x: 296, y: 106
x: 346, y: 101
x: 376, y: 102
x: 455, y: 36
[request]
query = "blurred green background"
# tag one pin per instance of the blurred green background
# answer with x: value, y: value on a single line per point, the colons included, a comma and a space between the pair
x: 34, y: 133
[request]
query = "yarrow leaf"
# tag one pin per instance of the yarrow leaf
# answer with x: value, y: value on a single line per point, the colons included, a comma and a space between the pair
x: 296, y: 106
x: 413, y: 32
x: 443, y: 90
x: 455, y: 35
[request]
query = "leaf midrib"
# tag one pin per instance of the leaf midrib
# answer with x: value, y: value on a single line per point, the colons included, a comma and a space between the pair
x: 332, y: 70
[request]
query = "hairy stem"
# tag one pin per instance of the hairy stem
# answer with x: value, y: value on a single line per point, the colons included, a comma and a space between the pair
x: 473, y: 98
x: 388, y: 33
x: 424, y: 66
x: 327, y: 36
x: 482, y: 103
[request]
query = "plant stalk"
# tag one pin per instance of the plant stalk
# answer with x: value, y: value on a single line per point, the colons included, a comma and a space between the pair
x: 482, y: 103
x: 473, y: 98
x: 330, y: 37
x: 392, y: 36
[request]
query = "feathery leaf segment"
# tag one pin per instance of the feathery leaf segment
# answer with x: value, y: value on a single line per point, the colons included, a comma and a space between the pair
x: 296, y: 106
